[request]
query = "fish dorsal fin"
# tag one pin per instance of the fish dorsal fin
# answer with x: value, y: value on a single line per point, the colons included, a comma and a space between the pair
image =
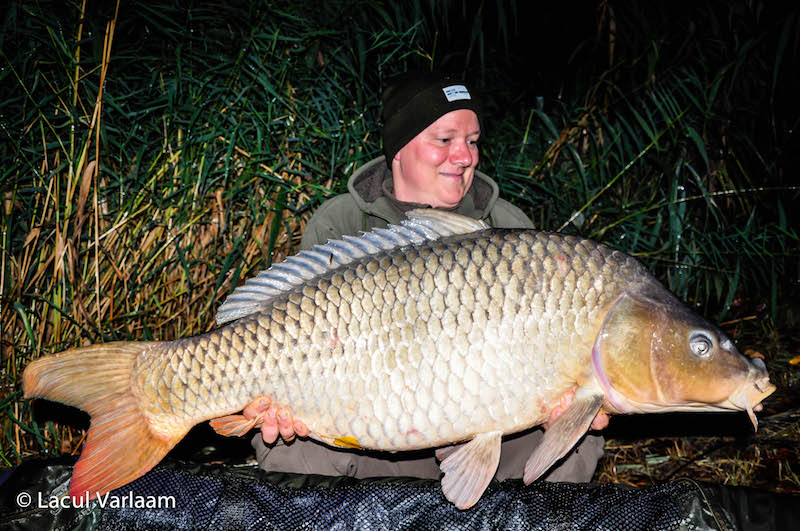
x: 422, y: 225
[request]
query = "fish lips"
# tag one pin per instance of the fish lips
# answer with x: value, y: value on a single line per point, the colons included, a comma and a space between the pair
x: 750, y: 395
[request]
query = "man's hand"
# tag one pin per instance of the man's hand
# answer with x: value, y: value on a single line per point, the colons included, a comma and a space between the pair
x: 600, y: 421
x: 275, y: 422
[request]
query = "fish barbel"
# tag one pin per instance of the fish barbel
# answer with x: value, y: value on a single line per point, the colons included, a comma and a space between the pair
x: 442, y: 332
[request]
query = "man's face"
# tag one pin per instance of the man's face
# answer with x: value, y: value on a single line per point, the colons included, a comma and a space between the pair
x: 437, y: 167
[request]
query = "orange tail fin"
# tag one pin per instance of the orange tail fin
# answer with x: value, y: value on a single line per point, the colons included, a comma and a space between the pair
x: 121, y: 444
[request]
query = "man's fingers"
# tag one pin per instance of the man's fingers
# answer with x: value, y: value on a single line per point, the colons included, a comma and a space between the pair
x: 278, y: 422
x: 566, y: 400
x: 258, y: 406
x: 285, y: 424
x: 300, y: 428
x: 554, y: 414
x: 600, y: 421
x: 269, y: 429
x: 563, y: 404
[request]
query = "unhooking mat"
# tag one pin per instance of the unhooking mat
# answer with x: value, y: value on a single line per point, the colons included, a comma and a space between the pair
x: 179, y: 496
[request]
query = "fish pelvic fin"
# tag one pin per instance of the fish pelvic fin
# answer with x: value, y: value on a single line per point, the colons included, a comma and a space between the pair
x: 563, y: 434
x: 121, y: 444
x: 468, y: 468
x: 236, y: 425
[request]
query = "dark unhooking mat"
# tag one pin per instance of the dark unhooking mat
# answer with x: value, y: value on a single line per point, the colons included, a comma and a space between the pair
x: 179, y: 496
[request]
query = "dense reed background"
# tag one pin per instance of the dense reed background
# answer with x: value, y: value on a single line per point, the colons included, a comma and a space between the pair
x: 155, y: 155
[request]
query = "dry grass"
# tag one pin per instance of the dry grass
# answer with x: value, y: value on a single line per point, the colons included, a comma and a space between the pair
x: 769, y: 465
x: 89, y: 273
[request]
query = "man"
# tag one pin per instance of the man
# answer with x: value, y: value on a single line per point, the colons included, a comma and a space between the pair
x: 430, y: 134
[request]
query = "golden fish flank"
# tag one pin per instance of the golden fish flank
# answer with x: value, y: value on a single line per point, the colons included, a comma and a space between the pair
x: 438, y: 332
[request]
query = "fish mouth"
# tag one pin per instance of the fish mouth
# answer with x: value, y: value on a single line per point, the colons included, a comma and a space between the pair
x: 750, y: 395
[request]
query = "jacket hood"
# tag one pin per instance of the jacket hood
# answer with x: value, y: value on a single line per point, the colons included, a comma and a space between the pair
x: 372, y: 188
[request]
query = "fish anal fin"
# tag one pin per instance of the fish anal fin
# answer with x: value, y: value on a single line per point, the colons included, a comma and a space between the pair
x: 468, y: 468
x: 122, y: 444
x: 235, y: 425
x: 444, y: 452
x: 563, y: 434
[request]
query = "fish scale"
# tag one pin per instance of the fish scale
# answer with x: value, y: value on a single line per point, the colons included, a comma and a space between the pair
x: 439, y: 331
x: 479, y: 333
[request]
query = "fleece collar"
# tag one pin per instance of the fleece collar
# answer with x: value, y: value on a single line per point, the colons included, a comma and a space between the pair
x: 372, y: 188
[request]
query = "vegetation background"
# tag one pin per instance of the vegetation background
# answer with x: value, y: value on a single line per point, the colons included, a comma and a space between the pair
x: 155, y: 154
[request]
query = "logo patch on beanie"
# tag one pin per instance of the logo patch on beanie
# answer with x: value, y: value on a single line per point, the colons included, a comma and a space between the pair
x: 456, y: 92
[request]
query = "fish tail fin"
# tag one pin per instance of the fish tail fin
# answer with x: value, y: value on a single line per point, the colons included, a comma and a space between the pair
x: 121, y: 444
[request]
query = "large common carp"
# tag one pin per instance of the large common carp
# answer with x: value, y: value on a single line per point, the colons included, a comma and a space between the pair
x: 438, y: 332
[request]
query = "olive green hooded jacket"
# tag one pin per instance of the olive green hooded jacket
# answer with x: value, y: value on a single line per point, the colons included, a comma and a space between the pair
x: 370, y: 204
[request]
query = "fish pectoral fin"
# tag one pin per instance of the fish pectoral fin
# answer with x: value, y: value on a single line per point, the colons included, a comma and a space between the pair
x: 468, y: 468
x: 563, y: 434
x: 235, y: 425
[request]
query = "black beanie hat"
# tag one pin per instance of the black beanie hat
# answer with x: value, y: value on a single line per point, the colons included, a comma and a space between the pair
x: 415, y: 100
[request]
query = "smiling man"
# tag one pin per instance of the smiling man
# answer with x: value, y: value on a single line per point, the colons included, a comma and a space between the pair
x: 431, y: 128
x: 432, y: 124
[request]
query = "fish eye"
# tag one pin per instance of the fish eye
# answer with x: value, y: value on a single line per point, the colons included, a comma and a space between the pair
x: 701, y: 344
